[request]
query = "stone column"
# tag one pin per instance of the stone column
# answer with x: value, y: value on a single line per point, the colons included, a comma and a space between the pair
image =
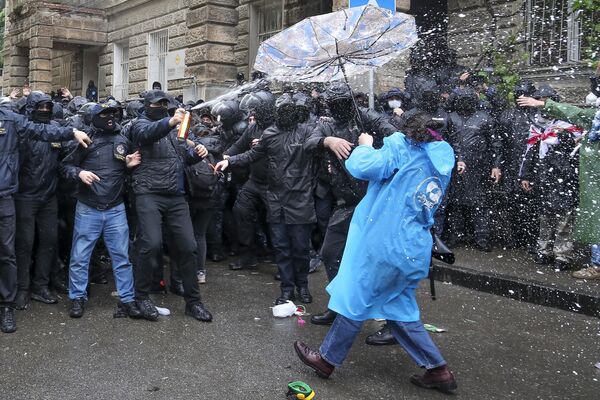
x: 40, y: 58
x: 339, y: 4
x: 210, y: 41
x: 16, y: 68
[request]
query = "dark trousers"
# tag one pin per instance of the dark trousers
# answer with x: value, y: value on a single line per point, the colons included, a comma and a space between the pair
x: 459, y: 216
x: 250, y: 201
x: 292, y: 247
x: 153, y: 212
x: 323, y: 210
x: 200, y: 220
x: 335, y: 240
x: 41, y: 217
x: 8, y: 260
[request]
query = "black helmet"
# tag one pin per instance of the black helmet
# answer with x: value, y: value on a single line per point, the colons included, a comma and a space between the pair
x: 337, y: 91
x: 133, y: 109
x: 524, y: 88
x: 75, y: 104
x: 228, y: 111
x: 261, y: 104
x: 85, y: 111
x: 546, y: 91
x: 286, y: 114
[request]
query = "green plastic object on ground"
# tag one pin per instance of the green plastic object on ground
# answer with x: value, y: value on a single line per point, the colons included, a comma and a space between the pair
x: 433, y: 328
x: 299, y: 390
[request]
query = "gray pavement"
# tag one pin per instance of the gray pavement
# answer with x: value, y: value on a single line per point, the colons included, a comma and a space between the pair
x: 498, y: 348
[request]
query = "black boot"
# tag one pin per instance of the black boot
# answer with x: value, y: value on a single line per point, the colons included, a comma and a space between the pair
x: 7, y: 320
x: 44, y: 295
x: 304, y: 295
x: 131, y: 309
x: 382, y: 337
x: 244, y: 262
x: 176, y: 287
x: 285, y: 296
x: 199, y: 312
x: 22, y: 300
x: 77, y: 307
x: 148, y: 309
x: 325, y: 318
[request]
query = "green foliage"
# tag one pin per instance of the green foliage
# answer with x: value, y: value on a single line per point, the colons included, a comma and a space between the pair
x: 590, y: 20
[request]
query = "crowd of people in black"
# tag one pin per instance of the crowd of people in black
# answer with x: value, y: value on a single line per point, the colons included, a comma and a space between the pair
x: 261, y: 175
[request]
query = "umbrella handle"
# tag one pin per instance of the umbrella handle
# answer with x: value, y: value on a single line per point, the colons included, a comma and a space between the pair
x: 358, y: 117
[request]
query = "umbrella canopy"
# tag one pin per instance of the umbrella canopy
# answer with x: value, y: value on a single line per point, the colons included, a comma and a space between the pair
x: 336, y: 45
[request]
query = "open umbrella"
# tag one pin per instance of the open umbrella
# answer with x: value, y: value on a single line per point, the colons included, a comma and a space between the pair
x: 336, y: 45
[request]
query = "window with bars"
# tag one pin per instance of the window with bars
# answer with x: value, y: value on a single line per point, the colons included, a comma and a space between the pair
x: 270, y: 19
x: 121, y: 71
x: 158, y: 47
x: 555, y: 34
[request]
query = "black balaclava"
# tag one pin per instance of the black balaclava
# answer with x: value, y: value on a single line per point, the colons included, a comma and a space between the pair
x: 340, y: 102
x: 157, y: 113
x: 104, y: 122
x: 43, y: 117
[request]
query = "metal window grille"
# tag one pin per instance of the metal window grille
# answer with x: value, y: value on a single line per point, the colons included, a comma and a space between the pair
x: 121, y: 75
x: 554, y: 32
x: 157, y: 58
x: 270, y: 20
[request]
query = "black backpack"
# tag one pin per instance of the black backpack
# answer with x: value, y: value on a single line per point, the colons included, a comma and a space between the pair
x: 202, y: 180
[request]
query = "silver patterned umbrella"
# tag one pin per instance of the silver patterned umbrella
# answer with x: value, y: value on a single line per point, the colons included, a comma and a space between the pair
x: 337, y: 45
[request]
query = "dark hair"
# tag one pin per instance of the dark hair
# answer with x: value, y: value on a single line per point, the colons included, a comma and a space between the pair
x: 417, y: 127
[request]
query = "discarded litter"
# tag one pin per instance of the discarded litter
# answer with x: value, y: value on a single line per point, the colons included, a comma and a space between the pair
x: 597, y: 365
x: 163, y: 311
x: 301, y: 322
x: 300, y: 390
x: 434, y: 329
x: 288, y: 309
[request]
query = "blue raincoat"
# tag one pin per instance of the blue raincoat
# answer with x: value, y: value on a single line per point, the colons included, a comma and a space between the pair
x: 388, y: 250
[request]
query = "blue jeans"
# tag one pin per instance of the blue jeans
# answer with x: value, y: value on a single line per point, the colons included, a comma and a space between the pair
x: 412, y: 336
x: 596, y: 255
x: 90, y: 224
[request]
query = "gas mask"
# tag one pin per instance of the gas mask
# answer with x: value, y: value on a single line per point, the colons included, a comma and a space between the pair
x: 341, y: 109
x: 286, y: 116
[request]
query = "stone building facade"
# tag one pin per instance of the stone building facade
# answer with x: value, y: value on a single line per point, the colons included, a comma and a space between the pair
x: 197, y: 47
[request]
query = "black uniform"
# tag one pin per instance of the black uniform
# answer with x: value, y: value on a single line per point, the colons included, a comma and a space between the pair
x: 159, y: 188
x: 14, y: 127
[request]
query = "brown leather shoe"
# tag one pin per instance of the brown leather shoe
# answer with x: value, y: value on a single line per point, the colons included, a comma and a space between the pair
x: 313, y: 359
x: 438, y: 378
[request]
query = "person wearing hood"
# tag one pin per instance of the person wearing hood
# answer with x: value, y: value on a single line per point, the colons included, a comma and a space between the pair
x: 252, y: 197
x: 395, y: 102
x: 91, y: 92
x: 159, y: 187
x: 512, y: 128
x: 287, y: 147
x: 100, y: 171
x: 550, y: 171
x: 334, y: 183
x: 231, y: 127
x: 36, y: 208
x: 388, y: 250
x: 13, y: 129
x: 471, y: 132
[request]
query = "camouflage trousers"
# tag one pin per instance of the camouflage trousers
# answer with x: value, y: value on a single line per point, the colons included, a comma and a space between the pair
x: 556, y: 236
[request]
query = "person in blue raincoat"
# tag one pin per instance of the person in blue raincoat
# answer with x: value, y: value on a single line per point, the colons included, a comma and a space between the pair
x: 388, y: 251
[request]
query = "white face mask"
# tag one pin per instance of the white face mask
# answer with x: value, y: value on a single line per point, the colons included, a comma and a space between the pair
x: 394, y: 104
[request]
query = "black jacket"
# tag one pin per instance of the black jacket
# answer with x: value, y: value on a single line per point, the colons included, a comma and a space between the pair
x: 476, y: 143
x: 555, y: 177
x: 15, y: 127
x: 258, y: 170
x: 216, y: 199
x: 105, y: 157
x: 513, y: 130
x: 289, y: 157
x: 332, y: 172
x: 163, y: 157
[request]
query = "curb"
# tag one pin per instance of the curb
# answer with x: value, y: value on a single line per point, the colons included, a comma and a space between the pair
x: 518, y: 289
